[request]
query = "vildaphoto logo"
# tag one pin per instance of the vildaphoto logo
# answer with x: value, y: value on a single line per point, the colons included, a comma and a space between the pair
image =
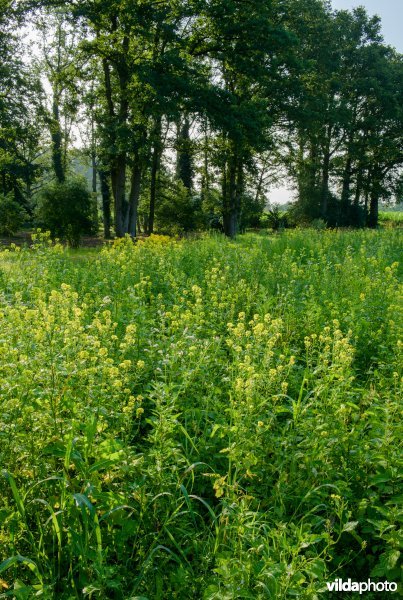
x: 338, y: 585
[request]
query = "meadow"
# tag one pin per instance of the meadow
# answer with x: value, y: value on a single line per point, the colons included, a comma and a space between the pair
x: 391, y: 218
x: 201, y: 419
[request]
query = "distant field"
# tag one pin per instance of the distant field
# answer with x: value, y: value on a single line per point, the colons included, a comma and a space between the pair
x: 391, y: 218
x: 204, y: 419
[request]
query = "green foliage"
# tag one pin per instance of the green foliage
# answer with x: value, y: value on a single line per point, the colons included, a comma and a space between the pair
x: 201, y: 419
x: 178, y: 210
x: 67, y: 210
x: 274, y: 218
x: 251, y: 212
x: 12, y: 215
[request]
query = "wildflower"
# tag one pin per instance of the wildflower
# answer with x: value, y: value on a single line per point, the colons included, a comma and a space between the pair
x: 126, y: 364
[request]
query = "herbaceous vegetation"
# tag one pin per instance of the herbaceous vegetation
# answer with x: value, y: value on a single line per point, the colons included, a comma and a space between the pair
x: 204, y: 418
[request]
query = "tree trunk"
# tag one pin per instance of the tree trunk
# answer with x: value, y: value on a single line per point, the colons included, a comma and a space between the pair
x: 120, y: 199
x: 57, y: 141
x: 106, y: 202
x: 184, y: 167
x: 373, y: 211
x: 325, y: 175
x: 134, y: 198
x: 345, y: 193
x: 155, y: 163
x: 94, y: 172
x: 313, y: 168
x: 118, y: 125
x: 231, y: 224
x: 374, y: 201
x: 225, y: 200
x: 355, y: 213
x: 205, y: 183
x: 238, y: 196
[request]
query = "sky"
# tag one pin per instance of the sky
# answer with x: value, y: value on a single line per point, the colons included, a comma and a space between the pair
x: 391, y: 13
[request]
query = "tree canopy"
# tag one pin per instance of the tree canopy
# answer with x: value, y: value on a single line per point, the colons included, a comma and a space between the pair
x: 221, y: 98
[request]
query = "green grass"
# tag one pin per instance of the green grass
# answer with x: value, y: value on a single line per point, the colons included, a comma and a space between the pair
x: 204, y: 419
x: 391, y: 218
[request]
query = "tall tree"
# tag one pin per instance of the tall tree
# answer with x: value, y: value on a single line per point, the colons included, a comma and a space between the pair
x: 20, y: 122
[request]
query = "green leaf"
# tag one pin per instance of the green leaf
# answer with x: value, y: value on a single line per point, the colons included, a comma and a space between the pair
x: 350, y: 526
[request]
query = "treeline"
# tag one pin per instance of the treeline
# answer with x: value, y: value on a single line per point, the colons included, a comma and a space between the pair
x: 188, y: 110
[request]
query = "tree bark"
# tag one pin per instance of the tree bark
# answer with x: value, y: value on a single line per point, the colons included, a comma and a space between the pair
x: 106, y: 202
x: 231, y: 224
x: 225, y: 200
x: 57, y: 141
x: 118, y: 124
x: 135, y: 187
x: 325, y: 174
x: 374, y: 200
x: 120, y: 199
x: 345, y: 193
x: 184, y: 167
x: 155, y: 163
x: 355, y: 214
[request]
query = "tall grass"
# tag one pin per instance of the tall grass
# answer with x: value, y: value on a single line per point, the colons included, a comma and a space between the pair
x: 200, y: 419
x: 391, y: 218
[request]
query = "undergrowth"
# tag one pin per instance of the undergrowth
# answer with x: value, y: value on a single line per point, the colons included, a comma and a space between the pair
x: 200, y: 419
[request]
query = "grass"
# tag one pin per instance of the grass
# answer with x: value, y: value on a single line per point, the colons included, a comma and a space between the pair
x: 391, y: 218
x: 200, y: 419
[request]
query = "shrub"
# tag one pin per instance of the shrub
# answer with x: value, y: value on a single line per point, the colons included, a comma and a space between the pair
x: 178, y: 210
x: 12, y: 215
x: 274, y: 218
x: 318, y: 224
x: 67, y: 210
x: 252, y: 210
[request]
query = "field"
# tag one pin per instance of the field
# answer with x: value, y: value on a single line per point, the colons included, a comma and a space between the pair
x: 391, y: 218
x: 200, y: 419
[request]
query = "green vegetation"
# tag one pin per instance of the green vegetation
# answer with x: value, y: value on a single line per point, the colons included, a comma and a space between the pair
x: 67, y: 210
x: 391, y: 218
x: 12, y: 215
x: 206, y: 419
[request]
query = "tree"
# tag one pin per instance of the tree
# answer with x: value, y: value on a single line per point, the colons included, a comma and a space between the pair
x: 66, y: 209
x: 20, y: 122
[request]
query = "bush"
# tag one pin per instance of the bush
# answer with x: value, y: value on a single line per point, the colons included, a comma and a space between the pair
x: 67, y: 210
x: 12, y: 215
x: 252, y: 210
x: 178, y: 210
x: 274, y: 218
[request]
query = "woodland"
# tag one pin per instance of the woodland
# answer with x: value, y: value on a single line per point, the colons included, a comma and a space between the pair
x: 181, y: 115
